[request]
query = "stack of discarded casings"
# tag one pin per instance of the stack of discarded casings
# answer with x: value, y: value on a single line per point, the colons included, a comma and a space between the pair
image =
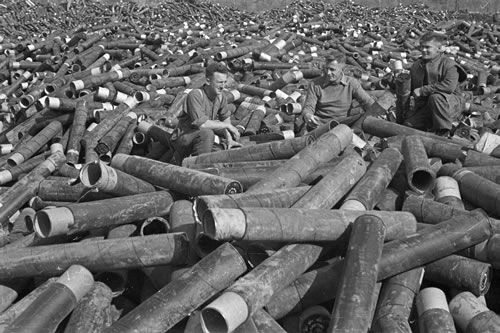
x: 320, y: 232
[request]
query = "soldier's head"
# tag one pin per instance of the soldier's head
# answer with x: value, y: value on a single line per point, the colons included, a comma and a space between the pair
x: 333, y: 69
x: 216, y: 75
x: 432, y: 45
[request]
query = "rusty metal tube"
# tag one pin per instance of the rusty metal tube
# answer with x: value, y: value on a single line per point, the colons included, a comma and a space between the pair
x: 101, y: 255
x: 367, y: 191
x: 77, y: 131
x: 250, y: 176
x: 433, y: 242
x: 447, y: 191
x: 475, y: 189
x: 29, y: 149
x: 182, y: 296
x: 296, y: 224
x: 13, y: 173
x: 92, y: 314
x: 97, y: 214
x: 396, y: 302
x: 292, y: 172
x: 333, y: 186
x: 460, y: 272
x: 353, y: 308
x: 430, y: 211
x: 108, y: 142
x: 21, y: 192
x: 403, y: 91
x: 247, y: 295
x: 472, y: 315
x: 433, y: 312
x: 7, y: 317
x: 275, y: 150
x: 311, y: 288
x: 113, y: 181
x: 48, y: 310
x: 276, y: 198
x: 383, y: 129
x: 180, y: 179
x: 421, y: 177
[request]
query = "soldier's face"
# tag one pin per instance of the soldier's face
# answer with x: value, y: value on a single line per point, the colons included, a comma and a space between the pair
x: 430, y: 49
x: 218, y: 82
x: 333, y: 71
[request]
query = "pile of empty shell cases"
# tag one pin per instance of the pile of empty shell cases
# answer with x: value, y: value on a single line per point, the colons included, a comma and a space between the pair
x: 103, y: 232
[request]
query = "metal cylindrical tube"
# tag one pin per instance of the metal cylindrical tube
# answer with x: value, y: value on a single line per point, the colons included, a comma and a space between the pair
x: 97, y: 214
x: 180, y: 179
x: 62, y: 190
x: 250, y: 176
x: 154, y: 226
x: 109, y: 141
x: 155, y: 132
x: 108, y: 123
x: 29, y: 149
x: 434, y: 242
x: 333, y: 186
x: 117, y: 280
x: 237, y: 52
x: 9, y: 315
x: 255, y: 91
x: 22, y: 191
x: 13, y: 173
x: 178, y: 299
x: 383, y: 129
x: 433, y: 312
x: 182, y: 219
x: 275, y: 150
x: 421, y: 177
x: 289, y: 77
x: 47, y: 311
x: 447, y: 191
x: 265, y: 323
x: 475, y: 189
x: 276, y: 198
x: 403, y: 91
x: 460, y: 272
x: 92, y: 314
x: 77, y: 130
x: 170, y: 82
x: 102, y: 255
x: 126, y: 143
x: 396, y: 302
x: 7, y: 297
x: 252, y: 291
x: 287, y: 224
x: 94, y: 81
x: 290, y: 174
x: 430, y: 211
x: 472, y: 158
x: 489, y: 251
x: 254, y: 123
x: 471, y: 315
x: 113, y: 181
x: 367, y: 191
x: 489, y: 172
x: 353, y: 307
x: 186, y: 69
x: 311, y: 288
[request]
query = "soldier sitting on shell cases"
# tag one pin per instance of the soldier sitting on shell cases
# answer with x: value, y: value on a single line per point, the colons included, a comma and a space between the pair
x: 435, y: 87
x: 205, y: 114
x: 329, y: 97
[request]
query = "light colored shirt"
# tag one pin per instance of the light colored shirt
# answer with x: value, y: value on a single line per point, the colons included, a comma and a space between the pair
x: 330, y: 101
